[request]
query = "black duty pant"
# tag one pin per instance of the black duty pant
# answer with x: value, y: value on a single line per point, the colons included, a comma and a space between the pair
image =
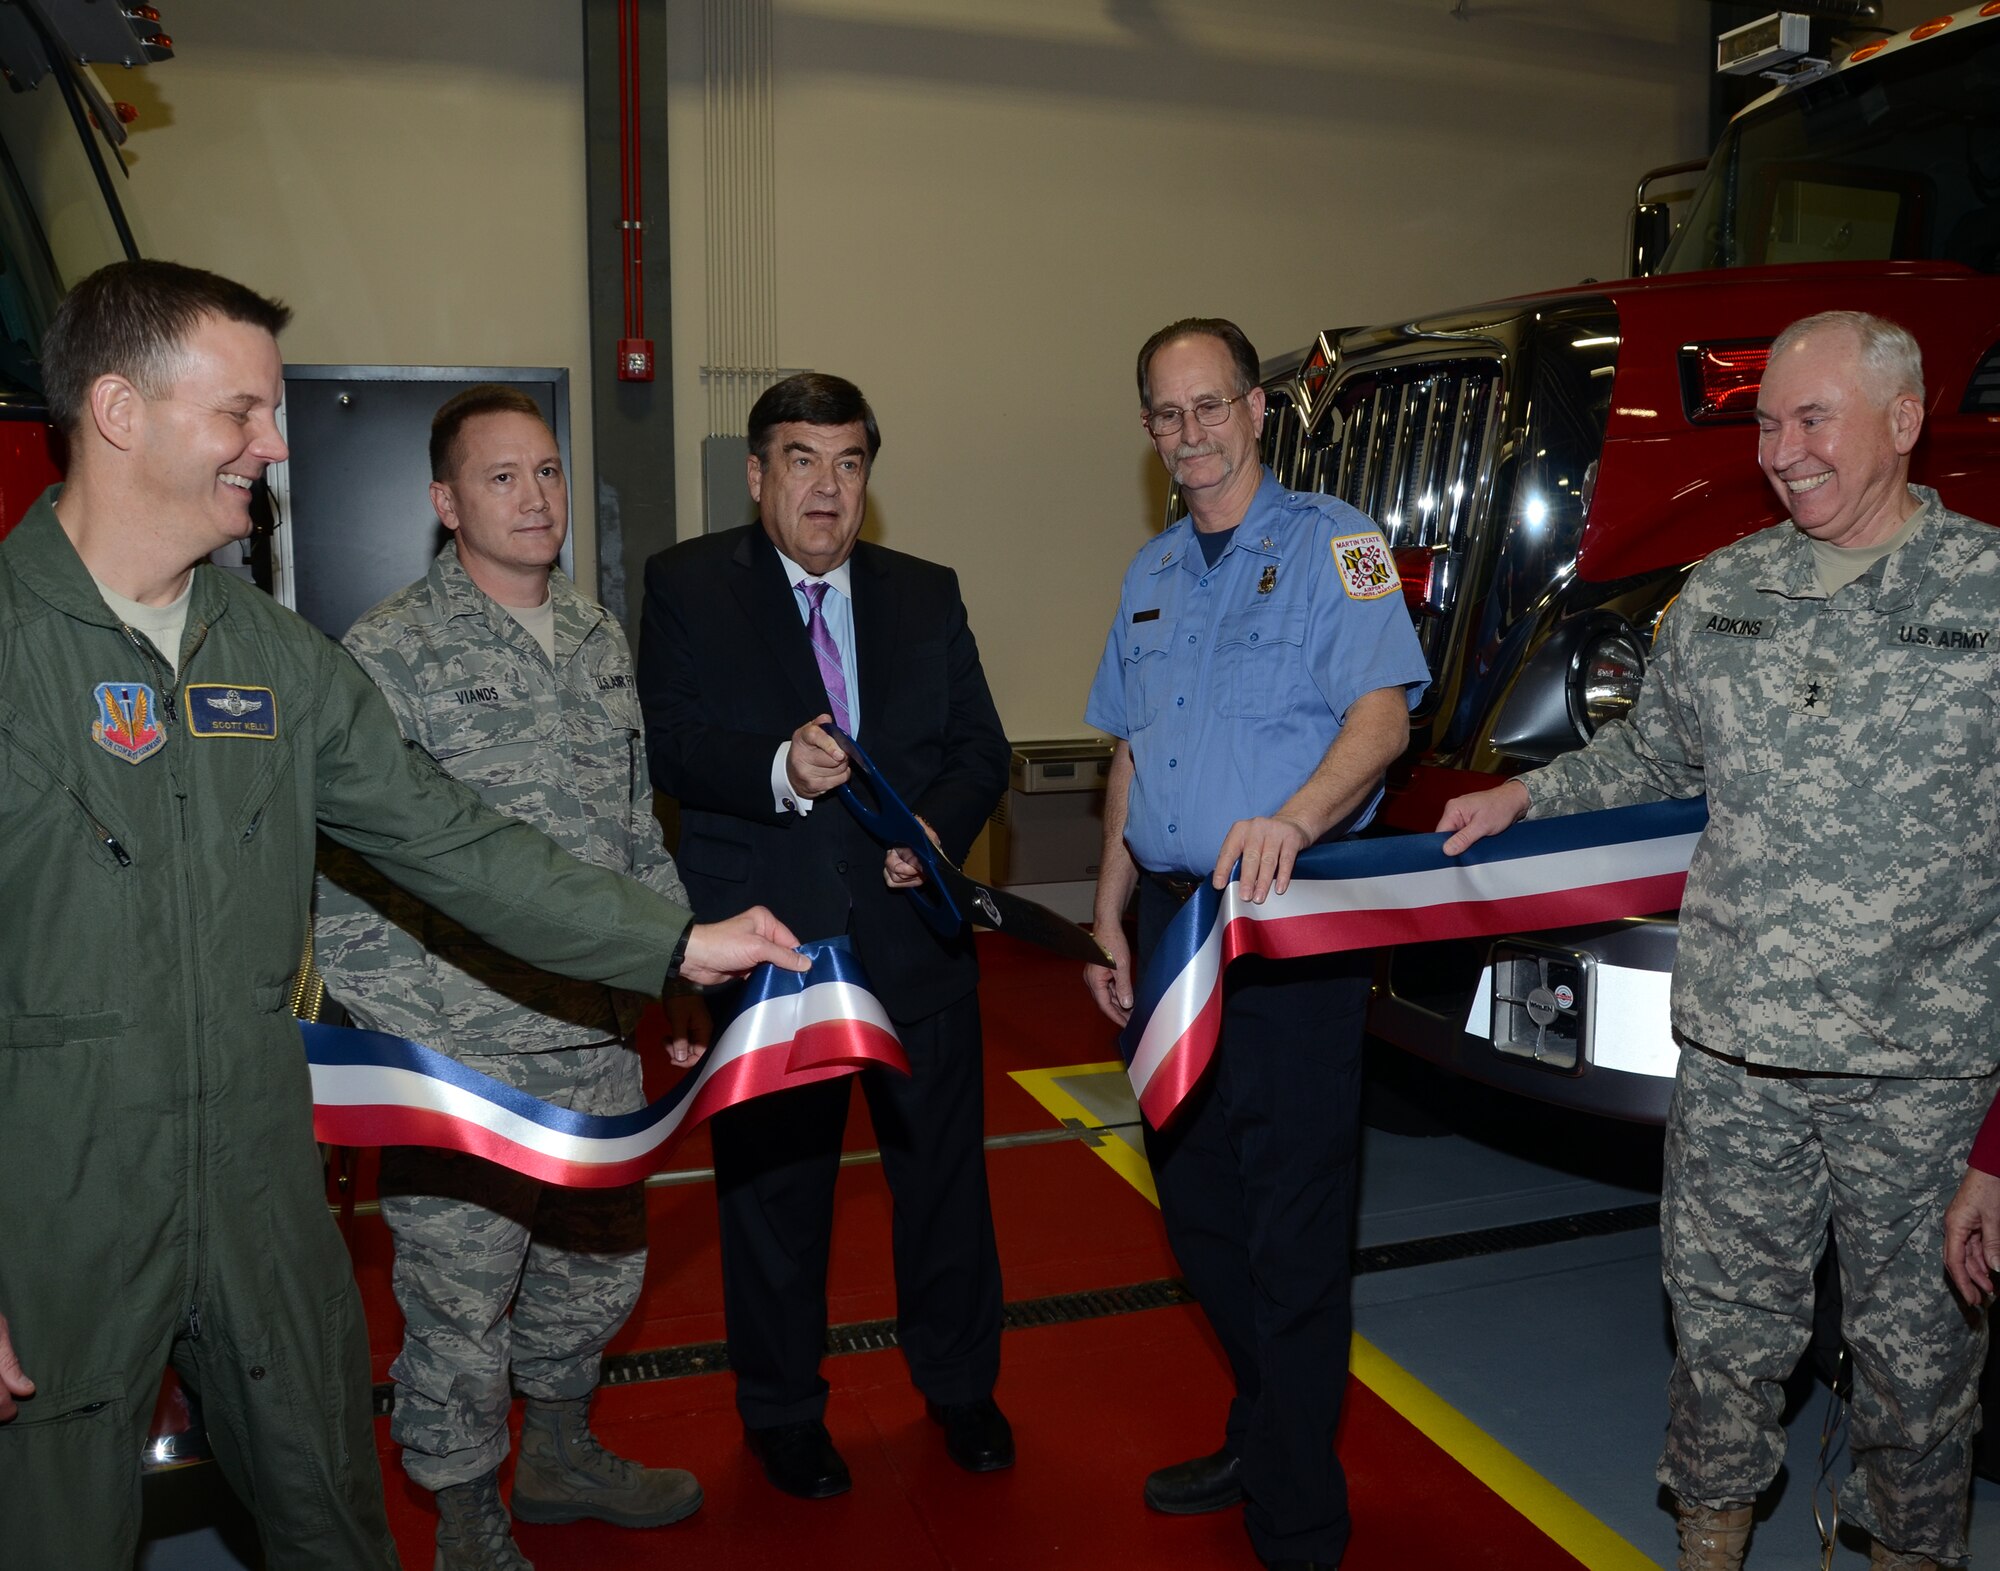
x: 1256, y: 1177
x: 776, y: 1159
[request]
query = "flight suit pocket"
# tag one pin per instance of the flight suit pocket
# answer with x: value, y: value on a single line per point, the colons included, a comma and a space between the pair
x: 54, y: 1030
x: 1257, y: 658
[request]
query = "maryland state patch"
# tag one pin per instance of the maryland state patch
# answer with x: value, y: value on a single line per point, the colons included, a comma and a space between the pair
x: 1366, y: 572
x: 123, y: 725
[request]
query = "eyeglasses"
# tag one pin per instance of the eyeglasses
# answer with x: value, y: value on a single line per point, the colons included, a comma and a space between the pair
x: 1209, y: 411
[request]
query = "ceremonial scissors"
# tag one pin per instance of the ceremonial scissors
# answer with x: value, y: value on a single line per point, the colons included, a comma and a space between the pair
x: 947, y: 899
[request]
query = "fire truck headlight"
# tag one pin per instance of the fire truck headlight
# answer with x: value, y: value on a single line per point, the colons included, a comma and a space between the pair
x: 1604, y: 678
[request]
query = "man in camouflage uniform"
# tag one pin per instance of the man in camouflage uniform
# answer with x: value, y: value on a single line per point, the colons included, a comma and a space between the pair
x: 1829, y: 686
x: 522, y: 688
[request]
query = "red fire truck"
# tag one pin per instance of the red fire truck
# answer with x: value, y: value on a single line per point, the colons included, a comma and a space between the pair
x: 1547, y: 470
x: 60, y: 213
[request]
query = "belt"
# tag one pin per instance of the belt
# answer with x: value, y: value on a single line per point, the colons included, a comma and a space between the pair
x: 1175, y: 886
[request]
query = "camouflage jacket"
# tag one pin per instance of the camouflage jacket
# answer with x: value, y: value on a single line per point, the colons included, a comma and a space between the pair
x: 1842, y: 912
x: 560, y: 747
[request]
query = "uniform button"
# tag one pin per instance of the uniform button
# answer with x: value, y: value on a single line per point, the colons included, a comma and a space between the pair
x: 1253, y: 638
x: 840, y: 867
x: 1173, y: 763
x: 1180, y: 703
x: 1190, y: 638
x: 1173, y: 829
x: 256, y: 1371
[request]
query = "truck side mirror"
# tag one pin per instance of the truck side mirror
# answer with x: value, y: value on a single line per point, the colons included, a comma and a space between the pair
x: 1652, y: 228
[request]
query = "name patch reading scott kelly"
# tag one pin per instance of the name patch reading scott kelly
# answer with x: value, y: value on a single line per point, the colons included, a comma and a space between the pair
x: 220, y: 709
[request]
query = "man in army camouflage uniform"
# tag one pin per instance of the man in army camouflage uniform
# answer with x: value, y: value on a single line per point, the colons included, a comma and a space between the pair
x: 1829, y: 686
x: 522, y: 688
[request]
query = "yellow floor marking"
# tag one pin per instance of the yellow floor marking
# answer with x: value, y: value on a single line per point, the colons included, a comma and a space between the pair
x: 1561, y: 1518
x: 1045, y: 1086
x: 1567, y: 1524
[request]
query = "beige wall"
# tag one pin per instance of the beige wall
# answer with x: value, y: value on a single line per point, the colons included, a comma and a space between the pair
x: 983, y: 206
x: 407, y: 174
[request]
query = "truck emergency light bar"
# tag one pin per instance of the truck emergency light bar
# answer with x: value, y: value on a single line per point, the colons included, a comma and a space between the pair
x: 1767, y: 44
x: 37, y: 35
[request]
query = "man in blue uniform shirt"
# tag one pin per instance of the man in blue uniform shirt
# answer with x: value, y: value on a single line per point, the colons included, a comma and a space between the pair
x: 1259, y: 677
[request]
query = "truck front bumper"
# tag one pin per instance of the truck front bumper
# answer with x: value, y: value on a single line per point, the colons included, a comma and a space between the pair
x: 1578, y: 1018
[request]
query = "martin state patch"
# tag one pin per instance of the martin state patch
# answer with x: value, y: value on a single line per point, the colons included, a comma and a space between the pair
x: 1366, y: 571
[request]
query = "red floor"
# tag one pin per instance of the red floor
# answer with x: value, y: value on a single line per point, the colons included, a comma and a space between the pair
x: 1095, y: 1404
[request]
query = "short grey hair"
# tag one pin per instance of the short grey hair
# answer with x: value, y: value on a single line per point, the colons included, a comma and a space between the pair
x: 1892, y: 356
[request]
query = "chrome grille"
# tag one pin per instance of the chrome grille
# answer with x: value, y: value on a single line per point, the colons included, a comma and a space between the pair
x: 1410, y: 448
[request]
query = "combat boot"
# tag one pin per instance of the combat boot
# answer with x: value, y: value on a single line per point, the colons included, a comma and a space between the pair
x: 473, y: 1531
x: 1882, y: 1558
x: 1712, y: 1538
x: 563, y: 1475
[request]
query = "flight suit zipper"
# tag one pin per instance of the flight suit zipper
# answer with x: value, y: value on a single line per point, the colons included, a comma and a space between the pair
x: 190, y: 967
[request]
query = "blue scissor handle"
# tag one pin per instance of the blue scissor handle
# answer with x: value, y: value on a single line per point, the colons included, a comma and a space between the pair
x: 892, y: 823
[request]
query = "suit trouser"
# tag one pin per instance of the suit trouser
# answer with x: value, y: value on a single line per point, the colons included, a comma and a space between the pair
x: 505, y: 1281
x: 279, y: 1358
x: 776, y: 1159
x: 1757, y: 1161
x: 1256, y: 1177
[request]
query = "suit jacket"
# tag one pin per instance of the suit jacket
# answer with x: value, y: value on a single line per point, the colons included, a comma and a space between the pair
x: 726, y: 675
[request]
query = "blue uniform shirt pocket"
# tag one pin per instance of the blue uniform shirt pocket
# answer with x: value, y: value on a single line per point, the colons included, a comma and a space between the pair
x: 1147, y: 674
x: 1257, y: 659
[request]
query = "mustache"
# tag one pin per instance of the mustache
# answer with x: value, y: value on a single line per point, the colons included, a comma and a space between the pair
x: 1199, y: 450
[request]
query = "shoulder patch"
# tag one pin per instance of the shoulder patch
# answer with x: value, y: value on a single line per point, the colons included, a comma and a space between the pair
x: 1366, y: 571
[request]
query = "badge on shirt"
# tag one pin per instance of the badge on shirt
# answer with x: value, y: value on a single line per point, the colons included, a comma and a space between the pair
x: 1147, y: 616
x: 1268, y: 582
x: 123, y: 725
x: 223, y: 709
x: 1366, y: 572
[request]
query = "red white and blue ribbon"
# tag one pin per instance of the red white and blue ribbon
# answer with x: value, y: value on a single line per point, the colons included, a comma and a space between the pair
x: 1360, y: 894
x: 790, y: 1027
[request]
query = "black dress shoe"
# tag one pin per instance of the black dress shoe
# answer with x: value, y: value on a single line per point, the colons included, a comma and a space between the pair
x: 800, y: 1459
x: 977, y: 1435
x: 1208, y: 1483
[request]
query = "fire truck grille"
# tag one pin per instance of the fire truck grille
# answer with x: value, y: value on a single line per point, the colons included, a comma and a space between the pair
x: 1411, y: 448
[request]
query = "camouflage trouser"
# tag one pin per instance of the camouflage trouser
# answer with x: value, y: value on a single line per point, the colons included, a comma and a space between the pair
x: 1757, y: 1161
x: 498, y: 1273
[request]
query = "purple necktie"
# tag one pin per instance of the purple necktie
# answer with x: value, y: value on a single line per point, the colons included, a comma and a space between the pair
x: 826, y: 652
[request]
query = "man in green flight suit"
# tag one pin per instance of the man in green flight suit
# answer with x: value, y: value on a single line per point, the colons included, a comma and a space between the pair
x: 170, y: 741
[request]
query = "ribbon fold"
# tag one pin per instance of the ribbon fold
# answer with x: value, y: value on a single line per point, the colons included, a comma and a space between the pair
x: 1362, y: 894
x: 789, y: 1028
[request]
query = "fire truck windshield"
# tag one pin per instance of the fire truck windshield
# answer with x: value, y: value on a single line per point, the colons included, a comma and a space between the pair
x: 1898, y: 158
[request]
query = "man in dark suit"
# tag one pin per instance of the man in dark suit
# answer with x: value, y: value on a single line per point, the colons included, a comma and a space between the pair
x: 753, y: 640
